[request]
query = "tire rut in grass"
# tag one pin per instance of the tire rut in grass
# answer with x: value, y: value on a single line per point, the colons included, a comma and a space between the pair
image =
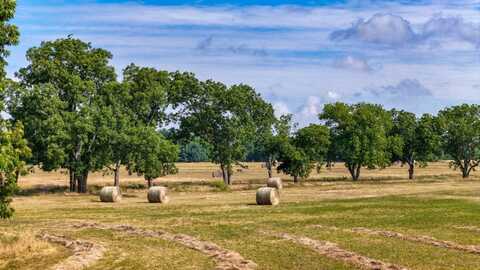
x: 428, y: 240
x: 225, y: 259
x: 84, y: 253
x: 468, y: 228
x: 333, y: 251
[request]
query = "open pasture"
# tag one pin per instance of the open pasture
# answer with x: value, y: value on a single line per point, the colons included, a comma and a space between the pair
x: 385, y: 223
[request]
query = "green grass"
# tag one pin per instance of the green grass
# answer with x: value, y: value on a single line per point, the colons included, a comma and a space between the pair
x: 232, y: 221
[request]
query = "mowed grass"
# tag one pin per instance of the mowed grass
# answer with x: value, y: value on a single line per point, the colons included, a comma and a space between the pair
x: 430, y: 206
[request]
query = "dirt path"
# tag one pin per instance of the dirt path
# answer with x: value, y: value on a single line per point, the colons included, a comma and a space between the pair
x: 468, y: 228
x: 84, y: 253
x: 331, y: 250
x: 225, y: 259
x: 428, y: 240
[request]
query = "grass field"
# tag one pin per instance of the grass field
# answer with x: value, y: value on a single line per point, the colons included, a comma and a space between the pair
x: 439, y: 204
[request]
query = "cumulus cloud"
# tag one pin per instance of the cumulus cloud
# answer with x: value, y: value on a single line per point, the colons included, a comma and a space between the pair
x: 440, y: 27
x: 386, y: 29
x: 393, y: 30
x: 207, y: 45
x: 353, y: 63
x: 405, y: 88
x: 312, y: 107
x: 280, y: 108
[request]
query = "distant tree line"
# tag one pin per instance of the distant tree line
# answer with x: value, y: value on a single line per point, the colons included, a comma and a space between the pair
x: 68, y: 110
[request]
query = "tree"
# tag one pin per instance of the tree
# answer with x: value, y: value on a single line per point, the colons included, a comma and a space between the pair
x: 194, y: 151
x: 274, y: 141
x: 315, y: 141
x: 227, y: 118
x: 65, y: 76
x: 154, y: 156
x: 359, y: 135
x: 294, y: 161
x: 461, y: 136
x: 115, y: 143
x: 419, y: 141
x: 13, y: 150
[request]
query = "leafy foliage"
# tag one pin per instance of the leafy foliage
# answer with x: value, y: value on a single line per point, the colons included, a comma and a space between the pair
x: 359, y: 135
x: 461, y: 136
x: 14, y: 149
x: 227, y: 118
x: 417, y: 139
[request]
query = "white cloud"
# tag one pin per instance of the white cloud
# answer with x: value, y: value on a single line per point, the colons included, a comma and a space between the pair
x: 353, y: 63
x: 393, y: 30
x: 280, y: 108
x: 312, y: 107
x: 386, y: 29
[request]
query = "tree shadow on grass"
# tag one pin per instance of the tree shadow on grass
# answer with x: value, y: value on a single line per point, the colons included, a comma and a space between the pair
x: 41, y: 189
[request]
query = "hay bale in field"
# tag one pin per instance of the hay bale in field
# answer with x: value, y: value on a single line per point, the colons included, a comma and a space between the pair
x: 275, y: 182
x: 110, y: 194
x: 267, y: 196
x: 157, y: 195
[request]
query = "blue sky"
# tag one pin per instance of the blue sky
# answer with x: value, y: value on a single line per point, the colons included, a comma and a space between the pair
x: 414, y: 55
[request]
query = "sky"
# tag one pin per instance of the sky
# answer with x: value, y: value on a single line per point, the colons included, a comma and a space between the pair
x: 415, y: 55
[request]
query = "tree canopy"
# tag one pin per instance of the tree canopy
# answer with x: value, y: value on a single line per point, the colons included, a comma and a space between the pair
x: 14, y: 150
x: 359, y: 135
x: 461, y: 136
x: 418, y: 139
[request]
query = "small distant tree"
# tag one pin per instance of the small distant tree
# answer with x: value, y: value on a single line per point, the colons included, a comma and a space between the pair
x: 461, y: 136
x: 359, y: 135
x: 419, y: 141
x: 294, y: 161
x: 314, y: 140
x: 194, y: 151
x: 154, y: 156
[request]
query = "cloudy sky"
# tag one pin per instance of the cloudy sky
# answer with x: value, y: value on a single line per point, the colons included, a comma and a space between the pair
x: 415, y: 55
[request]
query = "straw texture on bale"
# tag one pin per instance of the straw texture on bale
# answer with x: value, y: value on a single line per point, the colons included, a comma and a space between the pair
x: 110, y: 194
x: 157, y: 195
x: 267, y: 196
x: 275, y: 182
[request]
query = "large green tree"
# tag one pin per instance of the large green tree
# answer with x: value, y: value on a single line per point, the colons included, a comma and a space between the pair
x: 60, y: 106
x: 359, y: 135
x: 419, y: 140
x: 227, y: 118
x: 461, y: 136
x: 13, y: 150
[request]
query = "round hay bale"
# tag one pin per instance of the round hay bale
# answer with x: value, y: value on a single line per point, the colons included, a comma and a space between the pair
x: 157, y: 195
x: 267, y: 196
x: 110, y: 194
x: 275, y: 182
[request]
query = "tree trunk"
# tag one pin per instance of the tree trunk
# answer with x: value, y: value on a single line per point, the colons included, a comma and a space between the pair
x: 81, y: 180
x: 116, y: 178
x: 465, y: 172
x: 229, y: 174
x: 411, y: 170
x: 224, y: 174
x: 149, y: 182
x: 354, y: 171
x: 268, y: 164
x: 295, y: 179
x: 73, y: 182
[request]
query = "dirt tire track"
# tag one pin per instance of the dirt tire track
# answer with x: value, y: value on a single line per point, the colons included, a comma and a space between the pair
x: 333, y: 251
x: 84, y: 253
x: 428, y: 240
x: 468, y: 228
x: 225, y: 259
